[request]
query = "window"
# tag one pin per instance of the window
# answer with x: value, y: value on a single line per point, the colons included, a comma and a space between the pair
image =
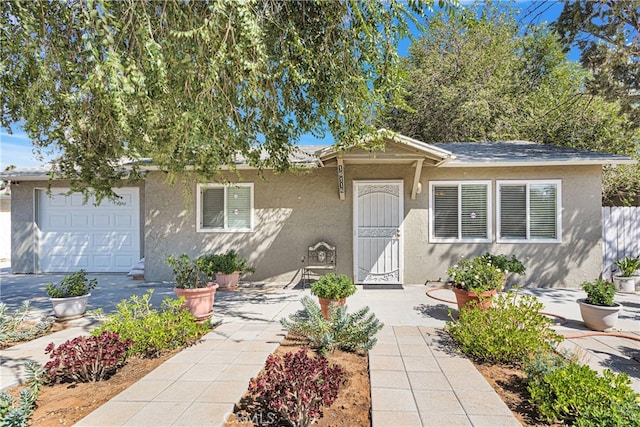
x: 460, y: 211
x: 225, y: 207
x: 529, y: 211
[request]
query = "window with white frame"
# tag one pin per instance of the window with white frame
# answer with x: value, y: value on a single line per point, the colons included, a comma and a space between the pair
x: 460, y: 211
x: 529, y: 211
x: 225, y: 207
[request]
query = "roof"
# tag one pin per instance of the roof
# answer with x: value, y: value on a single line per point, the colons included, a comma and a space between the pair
x: 450, y: 154
x: 524, y: 153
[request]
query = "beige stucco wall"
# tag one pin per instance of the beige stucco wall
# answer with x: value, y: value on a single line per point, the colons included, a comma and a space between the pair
x: 294, y: 211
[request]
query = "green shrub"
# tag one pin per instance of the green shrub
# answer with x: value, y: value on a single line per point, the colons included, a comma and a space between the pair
x: 333, y: 286
x: 599, y: 292
x: 575, y: 394
x: 506, y: 265
x: 153, y: 331
x: 14, y: 327
x: 628, y: 265
x: 73, y: 285
x: 227, y: 263
x: 508, y: 331
x: 17, y: 414
x: 476, y: 274
x: 344, y: 331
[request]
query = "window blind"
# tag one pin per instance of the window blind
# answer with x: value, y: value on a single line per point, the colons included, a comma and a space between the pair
x: 445, y: 205
x: 212, y: 208
x: 474, y: 211
x: 513, y: 211
x: 543, y: 211
x: 239, y: 208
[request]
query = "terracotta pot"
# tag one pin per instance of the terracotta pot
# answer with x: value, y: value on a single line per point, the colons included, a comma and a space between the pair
x: 199, y: 301
x: 599, y: 317
x: 227, y: 282
x: 70, y: 307
x: 324, y: 305
x: 463, y: 297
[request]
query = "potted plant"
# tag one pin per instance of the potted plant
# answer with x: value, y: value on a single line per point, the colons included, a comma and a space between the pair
x: 598, y: 310
x: 626, y: 281
x: 332, y: 289
x: 475, y: 280
x: 199, y: 295
x: 225, y: 268
x: 505, y: 264
x: 69, y: 298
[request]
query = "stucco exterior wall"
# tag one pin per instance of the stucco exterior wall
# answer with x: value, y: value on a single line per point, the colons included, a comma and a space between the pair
x: 294, y: 211
x: 24, y: 228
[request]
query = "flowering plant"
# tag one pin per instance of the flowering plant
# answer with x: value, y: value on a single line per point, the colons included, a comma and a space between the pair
x: 507, y: 265
x: 476, y: 275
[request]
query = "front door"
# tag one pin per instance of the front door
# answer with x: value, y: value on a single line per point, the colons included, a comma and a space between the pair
x: 378, y: 232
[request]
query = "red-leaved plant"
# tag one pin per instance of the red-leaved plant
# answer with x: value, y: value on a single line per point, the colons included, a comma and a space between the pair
x: 86, y: 359
x: 297, y: 386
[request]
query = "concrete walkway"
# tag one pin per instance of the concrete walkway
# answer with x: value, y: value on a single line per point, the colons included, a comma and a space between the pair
x: 417, y: 379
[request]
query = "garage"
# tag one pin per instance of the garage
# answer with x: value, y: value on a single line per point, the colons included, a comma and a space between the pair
x: 74, y: 235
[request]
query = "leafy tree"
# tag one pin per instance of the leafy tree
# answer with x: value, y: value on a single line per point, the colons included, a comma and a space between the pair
x: 193, y: 84
x: 608, y: 36
x: 490, y: 81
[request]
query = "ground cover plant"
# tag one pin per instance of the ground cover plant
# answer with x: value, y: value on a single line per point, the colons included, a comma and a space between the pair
x: 153, y: 331
x: 17, y: 413
x: 343, y: 330
x: 87, y: 359
x: 508, y: 331
x: 297, y: 386
x: 15, y: 326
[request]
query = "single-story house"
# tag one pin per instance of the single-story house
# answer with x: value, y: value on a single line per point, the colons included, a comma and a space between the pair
x: 401, y: 215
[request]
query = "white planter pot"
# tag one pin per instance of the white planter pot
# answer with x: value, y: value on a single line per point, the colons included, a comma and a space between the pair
x: 625, y: 284
x: 69, y: 308
x: 599, y: 317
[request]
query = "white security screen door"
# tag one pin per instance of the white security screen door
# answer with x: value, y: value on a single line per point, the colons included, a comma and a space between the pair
x: 378, y: 207
x: 75, y: 235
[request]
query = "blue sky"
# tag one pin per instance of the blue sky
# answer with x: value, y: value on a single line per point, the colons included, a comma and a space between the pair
x: 16, y: 149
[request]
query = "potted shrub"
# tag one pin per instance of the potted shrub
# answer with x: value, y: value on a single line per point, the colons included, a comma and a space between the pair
x: 598, y: 310
x: 225, y: 268
x: 199, y: 295
x: 507, y: 265
x: 69, y: 298
x: 626, y: 281
x: 332, y: 289
x: 475, y: 279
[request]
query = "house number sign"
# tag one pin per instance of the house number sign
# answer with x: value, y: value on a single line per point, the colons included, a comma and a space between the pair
x: 341, y: 179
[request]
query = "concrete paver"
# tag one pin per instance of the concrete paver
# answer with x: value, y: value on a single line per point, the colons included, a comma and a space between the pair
x: 416, y: 377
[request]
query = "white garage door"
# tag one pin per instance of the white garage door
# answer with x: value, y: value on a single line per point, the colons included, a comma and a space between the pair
x: 99, y: 239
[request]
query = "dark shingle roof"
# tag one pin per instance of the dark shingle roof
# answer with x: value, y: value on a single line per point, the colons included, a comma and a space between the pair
x: 523, y: 152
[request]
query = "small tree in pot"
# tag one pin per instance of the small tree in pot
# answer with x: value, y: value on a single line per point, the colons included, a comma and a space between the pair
x: 225, y: 268
x: 199, y: 295
x: 332, y: 289
x: 69, y: 298
x: 599, y: 312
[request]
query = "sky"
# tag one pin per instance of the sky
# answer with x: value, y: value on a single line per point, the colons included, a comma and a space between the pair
x: 16, y: 148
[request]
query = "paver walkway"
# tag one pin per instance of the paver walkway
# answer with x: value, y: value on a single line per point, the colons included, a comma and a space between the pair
x: 199, y: 385
x: 418, y: 380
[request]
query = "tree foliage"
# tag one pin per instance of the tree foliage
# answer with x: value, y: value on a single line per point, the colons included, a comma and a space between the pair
x: 194, y: 84
x: 608, y: 36
x: 490, y: 81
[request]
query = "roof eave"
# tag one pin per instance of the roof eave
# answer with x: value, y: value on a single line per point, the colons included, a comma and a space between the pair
x: 463, y: 164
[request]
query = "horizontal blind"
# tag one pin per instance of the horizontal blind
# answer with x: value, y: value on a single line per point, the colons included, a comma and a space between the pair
x: 513, y: 211
x: 213, y: 208
x: 445, y: 205
x: 543, y: 211
x: 238, y: 207
x: 474, y: 211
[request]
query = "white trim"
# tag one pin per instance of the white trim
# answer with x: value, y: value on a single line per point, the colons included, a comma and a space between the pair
x: 200, y: 187
x: 527, y: 183
x: 434, y: 239
x: 400, y: 184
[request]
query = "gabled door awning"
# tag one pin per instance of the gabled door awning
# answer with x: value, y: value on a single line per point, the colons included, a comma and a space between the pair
x: 399, y: 149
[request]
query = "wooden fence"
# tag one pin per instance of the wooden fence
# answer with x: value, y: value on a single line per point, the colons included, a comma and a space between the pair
x: 620, y: 236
